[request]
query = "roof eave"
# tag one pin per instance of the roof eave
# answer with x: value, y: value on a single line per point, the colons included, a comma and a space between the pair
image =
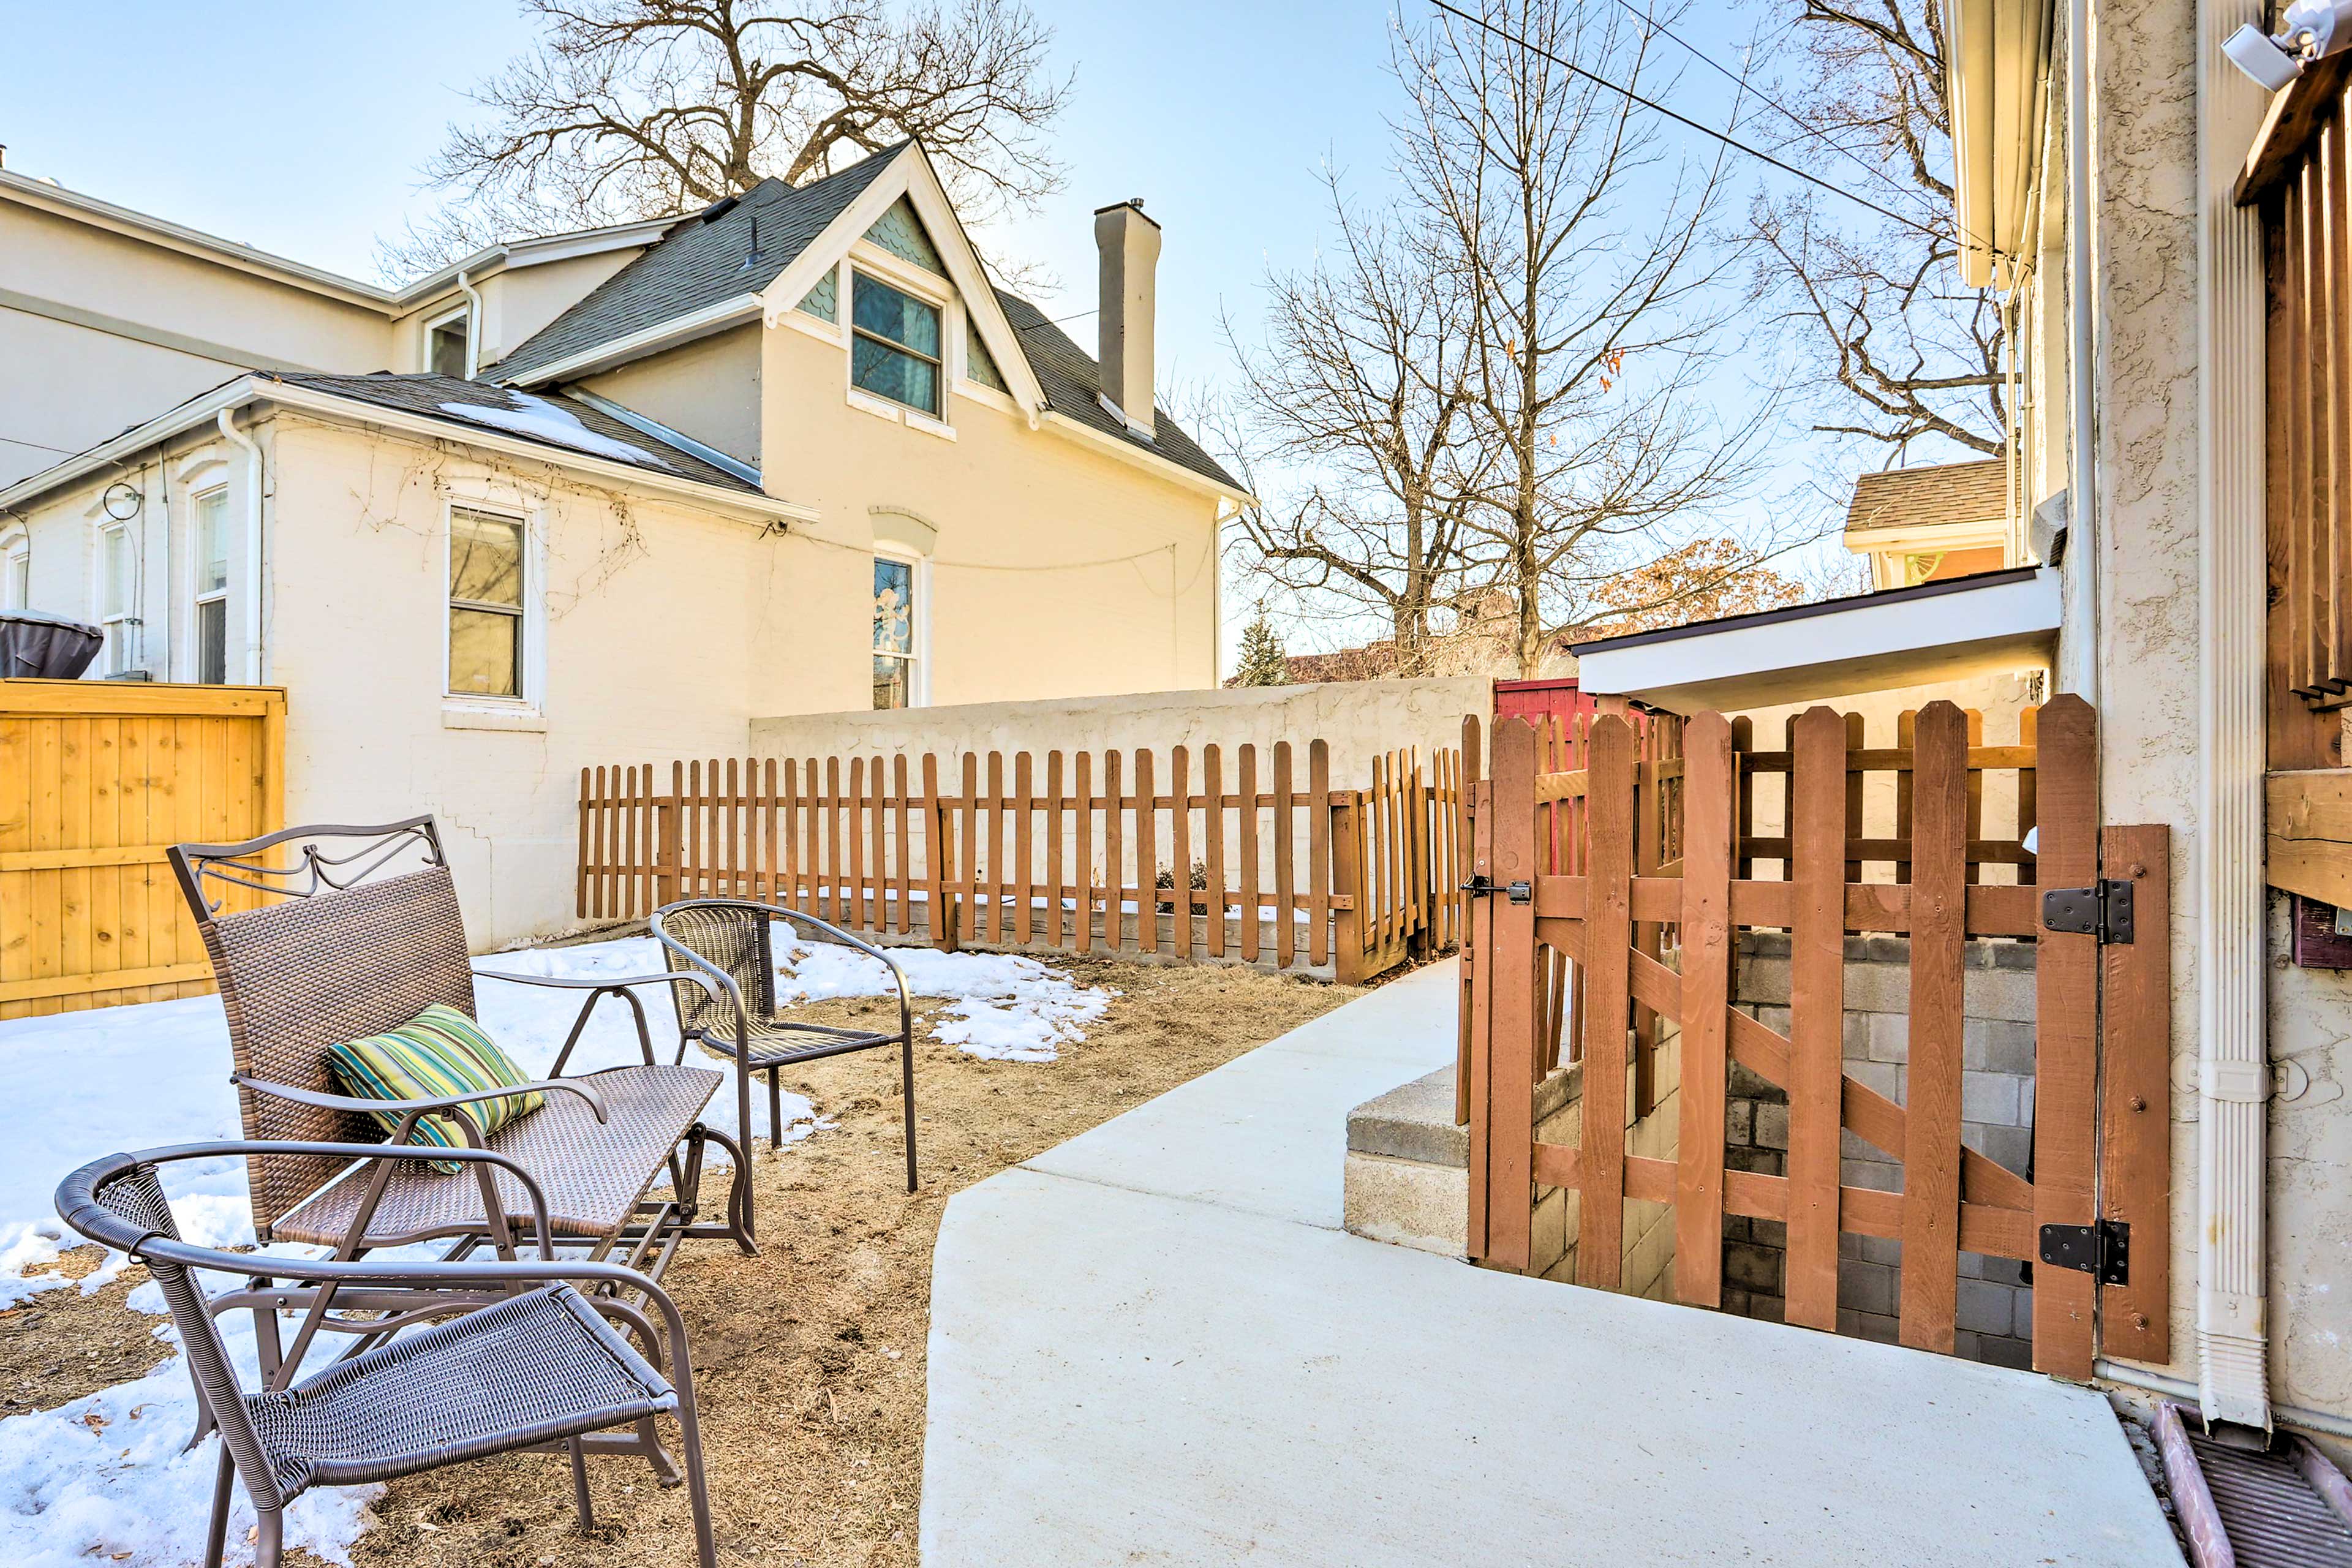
x: 1165, y: 467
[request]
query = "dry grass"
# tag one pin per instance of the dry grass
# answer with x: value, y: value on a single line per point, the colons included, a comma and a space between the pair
x: 809, y: 1359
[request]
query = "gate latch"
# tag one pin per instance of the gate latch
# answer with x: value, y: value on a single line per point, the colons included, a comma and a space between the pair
x: 2103, y: 910
x: 1481, y: 885
x: 2102, y: 1250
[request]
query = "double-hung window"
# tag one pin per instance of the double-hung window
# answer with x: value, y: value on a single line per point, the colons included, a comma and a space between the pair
x: 895, y: 652
x: 487, y: 567
x: 16, y: 575
x: 118, y: 588
x: 894, y: 344
x: 212, y: 587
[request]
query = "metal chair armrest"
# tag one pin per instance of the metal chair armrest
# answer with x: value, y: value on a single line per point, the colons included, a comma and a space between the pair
x: 608, y: 983
x: 439, y: 1102
x: 846, y: 939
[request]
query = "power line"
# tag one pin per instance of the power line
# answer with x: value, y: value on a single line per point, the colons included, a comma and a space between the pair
x: 1657, y: 108
x: 42, y: 446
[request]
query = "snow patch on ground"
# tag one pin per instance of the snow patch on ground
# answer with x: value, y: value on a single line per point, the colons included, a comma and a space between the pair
x: 105, y: 1475
x: 544, y: 421
x: 1001, y: 1006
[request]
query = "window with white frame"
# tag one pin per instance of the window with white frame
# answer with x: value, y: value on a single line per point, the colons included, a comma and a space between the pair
x: 895, y: 344
x: 16, y: 573
x: 898, y: 649
x: 211, y: 538
x: 488, y: 567
x: 446, y: 346
x: 117, y: 598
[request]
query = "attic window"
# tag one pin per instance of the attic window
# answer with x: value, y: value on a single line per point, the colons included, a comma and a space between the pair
x: 894, y: 347
x: 445, y: 347
x: 901, y: 233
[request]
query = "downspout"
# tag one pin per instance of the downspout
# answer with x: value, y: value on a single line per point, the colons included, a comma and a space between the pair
x: 473, y: 325
x: 251, y: 618
x: 2232, y: 1048
x: 2081, y: 477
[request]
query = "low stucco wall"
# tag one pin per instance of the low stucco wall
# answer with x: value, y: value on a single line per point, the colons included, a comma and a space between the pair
x: 1357, y: 719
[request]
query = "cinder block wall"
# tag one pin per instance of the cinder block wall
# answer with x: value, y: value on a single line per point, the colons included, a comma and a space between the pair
x: 1996, y: 1304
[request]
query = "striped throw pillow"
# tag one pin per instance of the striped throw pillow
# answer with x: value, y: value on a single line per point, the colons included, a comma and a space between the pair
x: 438, y: 1052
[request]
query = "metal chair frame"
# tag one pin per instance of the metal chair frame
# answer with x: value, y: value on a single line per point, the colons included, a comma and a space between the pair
x: 451, y: 1294
x: 825, y: 1040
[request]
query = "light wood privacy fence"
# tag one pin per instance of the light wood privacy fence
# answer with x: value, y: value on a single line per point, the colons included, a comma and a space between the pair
x: 1218, y: 856
x: 97, y: 779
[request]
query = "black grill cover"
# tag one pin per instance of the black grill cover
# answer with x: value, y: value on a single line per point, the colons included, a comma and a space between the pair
x: 45, y: 646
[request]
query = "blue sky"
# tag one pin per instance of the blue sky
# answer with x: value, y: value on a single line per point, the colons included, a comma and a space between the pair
x: 299, y: 128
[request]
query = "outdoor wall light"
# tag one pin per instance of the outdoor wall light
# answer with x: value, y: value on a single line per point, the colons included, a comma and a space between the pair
x: 2310, y: 31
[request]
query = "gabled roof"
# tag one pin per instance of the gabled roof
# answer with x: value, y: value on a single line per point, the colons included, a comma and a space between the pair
x: 1072, y: 382
x: 546, y: 419
x: 1925, y: 497
x: 698, y: 264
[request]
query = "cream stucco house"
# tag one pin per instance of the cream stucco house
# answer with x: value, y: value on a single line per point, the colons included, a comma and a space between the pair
x: 600, y: 498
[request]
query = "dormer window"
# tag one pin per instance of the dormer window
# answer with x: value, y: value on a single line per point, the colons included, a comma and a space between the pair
x: 893, y: 346
x: 447, y: 349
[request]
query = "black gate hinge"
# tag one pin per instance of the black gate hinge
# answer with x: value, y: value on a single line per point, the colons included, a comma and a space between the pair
x: 2102, y: 1250
x: 2103, y: 910
x: 1481, y: 885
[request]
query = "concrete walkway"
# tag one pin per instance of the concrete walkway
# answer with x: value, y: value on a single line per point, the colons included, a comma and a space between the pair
x: 1153, y: 1344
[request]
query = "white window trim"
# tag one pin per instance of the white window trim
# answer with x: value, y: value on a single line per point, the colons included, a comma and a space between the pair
x: 15, y: 548
x: 919, y: 694
x: 198, y: 594
x: 932, y: 291
x: 467, y: 710
x: 463, y: 313
x: 122, y: 652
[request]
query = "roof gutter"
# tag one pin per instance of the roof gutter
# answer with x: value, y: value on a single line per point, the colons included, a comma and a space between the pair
x: 1166, y: 467
x: 251, y: 389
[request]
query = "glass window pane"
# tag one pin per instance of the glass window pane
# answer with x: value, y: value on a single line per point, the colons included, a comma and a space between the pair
x: 887, y: 313
x: 212, y: 541
x: 119, y: 571
x: 20, y: 581
x: 894, y: 607
x: 879, y: 368
x: 485, y: 653
x: 890, y: 685
x: 484, y: 559
x: 212, y: 642
x: 447, y: 350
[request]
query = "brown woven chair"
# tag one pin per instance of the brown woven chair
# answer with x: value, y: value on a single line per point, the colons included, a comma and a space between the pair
x: 534, y: 1360
x: 338, y: 946
x: 730, y: 941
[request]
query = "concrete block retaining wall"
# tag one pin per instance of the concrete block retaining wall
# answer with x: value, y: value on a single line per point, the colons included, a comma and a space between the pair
x: 1996, y: 1304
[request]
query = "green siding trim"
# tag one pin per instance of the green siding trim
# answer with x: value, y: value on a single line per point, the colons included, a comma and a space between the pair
x: 978, y: 363
x: 824, y: 302
x: 901, y: 233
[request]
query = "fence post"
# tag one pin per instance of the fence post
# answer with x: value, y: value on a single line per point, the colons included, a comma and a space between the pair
x: 938, y: 834
x: 1348, y: 883
x: 666, y: 836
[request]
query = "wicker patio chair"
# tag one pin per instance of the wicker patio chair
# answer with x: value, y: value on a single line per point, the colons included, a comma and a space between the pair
x: 730, y: 941
x: 532, y: 1361
x: 343, y: 946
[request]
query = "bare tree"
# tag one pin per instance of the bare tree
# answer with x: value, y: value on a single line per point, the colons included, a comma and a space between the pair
x: 1361, y: 391
x: 633, y: 108
x: 1599, y: 309
x: 1901, y: 351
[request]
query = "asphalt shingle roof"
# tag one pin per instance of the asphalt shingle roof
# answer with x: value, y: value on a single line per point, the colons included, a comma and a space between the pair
x: 698, y: 264
x: 560, y: 423
x: 1922, y: 498
x: 1073, y: 380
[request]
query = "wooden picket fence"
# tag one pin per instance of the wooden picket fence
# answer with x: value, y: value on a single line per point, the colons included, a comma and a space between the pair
x: 1583, y: 860
x: 1122, y: 854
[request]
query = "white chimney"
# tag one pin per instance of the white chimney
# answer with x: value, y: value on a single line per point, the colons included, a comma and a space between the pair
x: 1130, y: 246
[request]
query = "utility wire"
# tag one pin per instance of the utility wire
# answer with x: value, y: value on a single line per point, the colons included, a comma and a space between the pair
x: 1657, y: 108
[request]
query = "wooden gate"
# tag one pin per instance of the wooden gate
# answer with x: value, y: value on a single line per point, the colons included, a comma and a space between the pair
x: 1637, y: 873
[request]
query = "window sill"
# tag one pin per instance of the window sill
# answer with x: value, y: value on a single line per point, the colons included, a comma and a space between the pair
x: 900, y: 414
x: 457, y: 713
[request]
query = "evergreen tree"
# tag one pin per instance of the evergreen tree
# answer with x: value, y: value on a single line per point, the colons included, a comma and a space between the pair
x: 1262, y: 662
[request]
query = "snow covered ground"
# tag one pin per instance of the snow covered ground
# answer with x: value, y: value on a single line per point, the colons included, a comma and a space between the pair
x: 103, y: 1478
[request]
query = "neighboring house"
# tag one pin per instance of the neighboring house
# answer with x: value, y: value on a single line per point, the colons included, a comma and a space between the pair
x: 2172, y: 257
x: 1929, y: 524
x: 792, y: 455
